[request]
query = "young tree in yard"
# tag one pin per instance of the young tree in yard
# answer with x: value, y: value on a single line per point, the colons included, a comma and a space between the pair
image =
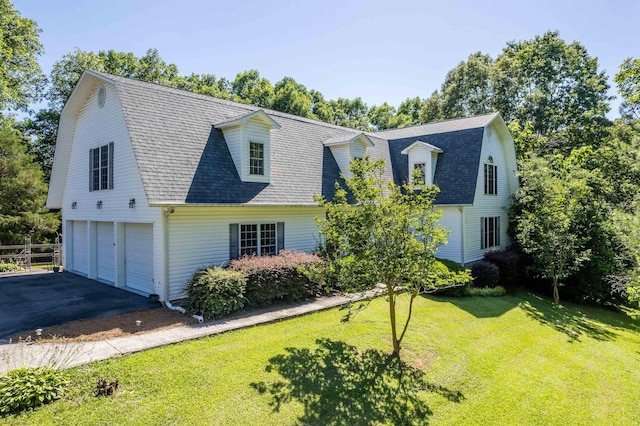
x: 388, y: 234
x: 550, y: 210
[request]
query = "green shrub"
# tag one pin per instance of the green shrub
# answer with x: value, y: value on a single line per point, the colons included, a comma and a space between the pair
x: 443, y: 268
x: 485, y: 274
x: 486, y: 291
x: 9, y: 267
x: 216, y: 292
x: 28, y: 388
x: 510, y: 266
x: 274, y: 279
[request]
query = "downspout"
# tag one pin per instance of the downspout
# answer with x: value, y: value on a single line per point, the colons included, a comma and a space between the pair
x: 462, y: 258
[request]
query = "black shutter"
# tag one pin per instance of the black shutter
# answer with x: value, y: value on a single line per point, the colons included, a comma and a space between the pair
x: 110, y: 165
x: 233, y: 241
x: 498, y: 231
x: 90, y: 170
x: 482, y: 232
x: 280, y: 237
x: 495, y: 180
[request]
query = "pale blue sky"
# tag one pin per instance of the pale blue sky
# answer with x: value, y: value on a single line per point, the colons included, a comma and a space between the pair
x: 378, y: 50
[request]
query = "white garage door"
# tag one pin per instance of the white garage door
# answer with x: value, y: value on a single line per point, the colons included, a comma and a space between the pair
x: 139, y: 256
x: 105, y: 252
x: 79, y: 249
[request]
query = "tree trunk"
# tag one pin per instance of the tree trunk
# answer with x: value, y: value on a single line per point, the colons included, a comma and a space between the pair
x: 556, y: 296
x: 392, y: 317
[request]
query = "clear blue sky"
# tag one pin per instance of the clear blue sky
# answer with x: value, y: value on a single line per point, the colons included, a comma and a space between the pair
x: 378, y: 50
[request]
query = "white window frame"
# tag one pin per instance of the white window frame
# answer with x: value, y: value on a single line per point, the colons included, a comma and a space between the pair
x: 101, y: 168
x: 489, y: 232
x: 423, y: 172
x: 490, y: 178
x: 261, y: 229
x: 256, y: 162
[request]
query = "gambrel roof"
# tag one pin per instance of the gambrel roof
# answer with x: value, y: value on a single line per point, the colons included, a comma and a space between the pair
x: 183, y: 158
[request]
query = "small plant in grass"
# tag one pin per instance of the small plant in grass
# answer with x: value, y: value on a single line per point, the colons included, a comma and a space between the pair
x: 106, y: 387
x: 216, y: 292
x: 27, y: 388
x: 485, y: 274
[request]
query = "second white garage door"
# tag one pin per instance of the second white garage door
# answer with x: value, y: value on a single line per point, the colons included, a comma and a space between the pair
x: 105, y: 252
x: 79, y: 250
x: 139, y: 256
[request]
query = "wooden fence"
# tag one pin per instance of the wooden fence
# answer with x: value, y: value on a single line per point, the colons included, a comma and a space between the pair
x: 29, y: 255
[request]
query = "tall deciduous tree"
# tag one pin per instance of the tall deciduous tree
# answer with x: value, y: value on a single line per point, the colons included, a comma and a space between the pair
x: 292, y: 97
x: 628, y: 81
x: 249, y: 87
x: 467, y: 90
x: 389, y: 235
x: 21, y: 78
x: 550, y: 209
x: 555, y: 86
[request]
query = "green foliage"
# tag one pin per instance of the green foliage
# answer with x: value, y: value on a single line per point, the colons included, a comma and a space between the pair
x: 106, y: 387
x: 42, y: 131
x: 496, y: 291
x: 250, y: 88
x: 276, y: 279
x: 21, y: 78
x: 389, y: 235
x: 22, y: 193
x: 467, y: 90
x: 216, y: 292
x: 550, y: 216
x: 553, y: 85
x: 628, y: 81
x: 28, y: 388
x: 510, y: 267
x: 485, y: 274
x: 9, y: 267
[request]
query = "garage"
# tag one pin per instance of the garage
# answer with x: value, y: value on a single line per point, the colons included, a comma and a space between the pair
x: 79, y: 248
x: 106, y: 270
x: 138, y: 265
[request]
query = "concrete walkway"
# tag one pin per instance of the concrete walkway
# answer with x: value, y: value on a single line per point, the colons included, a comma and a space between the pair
x: 65, y: 355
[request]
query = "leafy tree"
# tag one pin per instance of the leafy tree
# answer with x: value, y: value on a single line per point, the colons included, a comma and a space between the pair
x: 320, y: 108
x: 21, y: 78
x: 42, y: 131
x: 549, y: 214
x: 411, y: 108
x: 467, y: 90
x: 22, y: 192
x: 431, y: 108
x: 351, y: 113
x: 250, y: 88
x: 292, y: 97
x: 628, y: 81
x: 389, y: 235
x: 381, y: 117
x: 555, y: 86
x: 205, y: 84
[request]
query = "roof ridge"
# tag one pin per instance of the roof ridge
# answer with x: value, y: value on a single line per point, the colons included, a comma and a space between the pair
x: 249, y: 107
x: 433, y: 123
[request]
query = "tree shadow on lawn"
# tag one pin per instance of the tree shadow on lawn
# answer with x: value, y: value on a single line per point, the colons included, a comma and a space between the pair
x: 479, y: 307
x: 577, y: 321
x: 338, y: 385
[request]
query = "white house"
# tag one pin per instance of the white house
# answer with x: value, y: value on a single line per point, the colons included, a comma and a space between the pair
x: 176, y: 180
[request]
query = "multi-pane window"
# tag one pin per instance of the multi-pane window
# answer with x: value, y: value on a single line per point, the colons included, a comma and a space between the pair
x: 419, y: 178
x: 489, y: 232
x: 256, y: 158
x: 490, y: 178
x: 101, y: 167
x: 258, y: 240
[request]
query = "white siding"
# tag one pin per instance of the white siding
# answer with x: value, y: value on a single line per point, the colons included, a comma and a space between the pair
x: 488, y: 205
x: 233, y: 137
x: 342, y: 157
x: 199, y: 236
x: 451, y: 220
x: 96, y: 127
x: 256, y: 131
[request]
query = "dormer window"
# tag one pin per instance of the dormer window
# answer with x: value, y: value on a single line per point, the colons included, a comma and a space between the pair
x: 419, y: 177
x: 490, y: 177
x: 348, y: 147
x: 256, y: 158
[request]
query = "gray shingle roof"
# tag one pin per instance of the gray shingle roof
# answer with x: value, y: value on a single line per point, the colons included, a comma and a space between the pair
x: 183, y: 158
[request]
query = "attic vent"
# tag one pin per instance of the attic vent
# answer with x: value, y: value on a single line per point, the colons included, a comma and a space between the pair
x: 102, y: 96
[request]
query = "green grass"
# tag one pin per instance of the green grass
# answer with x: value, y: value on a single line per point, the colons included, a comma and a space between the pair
x: 504, y: 361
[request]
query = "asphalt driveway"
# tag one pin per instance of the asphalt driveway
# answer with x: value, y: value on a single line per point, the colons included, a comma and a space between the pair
x: 28, y: 302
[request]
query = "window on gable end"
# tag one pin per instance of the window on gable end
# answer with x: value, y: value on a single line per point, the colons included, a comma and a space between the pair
x: 101, y: 167
x: 490, y: 177
x: 256, y: 158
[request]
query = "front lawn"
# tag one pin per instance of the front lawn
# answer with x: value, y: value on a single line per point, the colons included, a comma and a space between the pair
x: 508, y: 360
